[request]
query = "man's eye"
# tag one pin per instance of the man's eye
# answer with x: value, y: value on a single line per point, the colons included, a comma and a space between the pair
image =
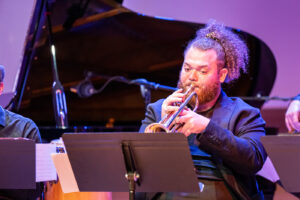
x: 187, y: 69
x: 203, y: 72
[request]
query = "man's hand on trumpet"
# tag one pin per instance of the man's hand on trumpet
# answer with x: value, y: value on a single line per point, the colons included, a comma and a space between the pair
x: 191, y: 122
x: 169, y: 106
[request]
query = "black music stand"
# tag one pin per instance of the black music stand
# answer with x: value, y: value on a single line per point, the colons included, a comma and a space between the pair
x: 17, y: 166
x: 156, y: 162
x: 284, y: 151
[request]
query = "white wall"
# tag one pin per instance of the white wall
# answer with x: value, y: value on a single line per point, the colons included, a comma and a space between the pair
x: 15, y: 17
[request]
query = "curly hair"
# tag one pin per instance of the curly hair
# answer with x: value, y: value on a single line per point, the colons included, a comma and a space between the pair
x: 232, y: 52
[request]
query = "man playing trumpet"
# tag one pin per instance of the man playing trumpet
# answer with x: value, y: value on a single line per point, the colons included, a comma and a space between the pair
x: 223, y: 133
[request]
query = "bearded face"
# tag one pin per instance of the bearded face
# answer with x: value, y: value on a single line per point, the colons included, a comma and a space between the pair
x: 200, y: 69
x: 205, y: 92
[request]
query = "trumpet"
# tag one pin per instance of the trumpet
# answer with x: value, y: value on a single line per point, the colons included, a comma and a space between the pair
x: 166, y: 124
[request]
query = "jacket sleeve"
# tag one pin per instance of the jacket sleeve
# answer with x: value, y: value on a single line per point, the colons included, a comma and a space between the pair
x: 153, y: 114
x: 238, y: 146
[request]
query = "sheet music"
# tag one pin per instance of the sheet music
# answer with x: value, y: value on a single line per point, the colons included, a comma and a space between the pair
x: 45, y: 170
x: 65, y: 173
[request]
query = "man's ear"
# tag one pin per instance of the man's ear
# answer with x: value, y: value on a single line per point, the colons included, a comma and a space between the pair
x: 223, y: 74
x: 1, y: 87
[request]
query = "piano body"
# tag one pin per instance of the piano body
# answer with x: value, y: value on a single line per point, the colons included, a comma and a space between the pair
x: 139, y: 39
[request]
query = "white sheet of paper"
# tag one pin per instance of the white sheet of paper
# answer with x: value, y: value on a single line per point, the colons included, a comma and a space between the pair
x: 65, y: 173
x: 268, y: 171
x: 45, y: 170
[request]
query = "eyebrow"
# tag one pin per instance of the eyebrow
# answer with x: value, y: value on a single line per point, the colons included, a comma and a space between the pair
x: 198, y: 67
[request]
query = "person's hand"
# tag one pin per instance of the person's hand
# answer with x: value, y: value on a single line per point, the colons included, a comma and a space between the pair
x: 169, y: 104
x: 191, y: 122
x: 292, y: 116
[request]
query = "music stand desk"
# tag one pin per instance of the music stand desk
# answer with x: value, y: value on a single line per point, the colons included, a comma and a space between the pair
x: 284, y: 151
x: 162, y: 160
x: 17, y: 166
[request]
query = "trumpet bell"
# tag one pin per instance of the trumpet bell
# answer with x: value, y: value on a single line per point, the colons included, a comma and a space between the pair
x: 156, y: 128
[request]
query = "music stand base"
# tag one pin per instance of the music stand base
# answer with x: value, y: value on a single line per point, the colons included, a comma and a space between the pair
x: 132, y: 178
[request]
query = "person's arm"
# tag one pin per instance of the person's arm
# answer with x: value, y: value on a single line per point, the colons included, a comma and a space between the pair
x: 292, y: 116
x: 241, y: 149
x: 152, y: 115
x: 31, y: 131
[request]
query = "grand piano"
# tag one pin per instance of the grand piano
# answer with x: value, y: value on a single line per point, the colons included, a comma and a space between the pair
x: 98, y: 40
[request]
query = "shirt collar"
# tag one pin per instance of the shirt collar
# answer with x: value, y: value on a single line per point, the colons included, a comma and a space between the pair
x: 2, y: 117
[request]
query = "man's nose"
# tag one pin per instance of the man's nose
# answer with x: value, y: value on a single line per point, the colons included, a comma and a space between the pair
x: 193, y: 75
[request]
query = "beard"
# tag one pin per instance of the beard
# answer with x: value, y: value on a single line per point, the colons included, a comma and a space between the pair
x: 205, y: 93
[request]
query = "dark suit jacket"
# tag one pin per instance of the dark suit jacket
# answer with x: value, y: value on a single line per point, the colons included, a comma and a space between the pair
x: 232, y: 138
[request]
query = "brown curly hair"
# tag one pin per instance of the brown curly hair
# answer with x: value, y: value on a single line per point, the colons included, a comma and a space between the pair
x: 232, y: 52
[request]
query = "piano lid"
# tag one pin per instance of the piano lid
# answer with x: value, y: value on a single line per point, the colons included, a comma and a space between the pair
x: 110, y: 40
